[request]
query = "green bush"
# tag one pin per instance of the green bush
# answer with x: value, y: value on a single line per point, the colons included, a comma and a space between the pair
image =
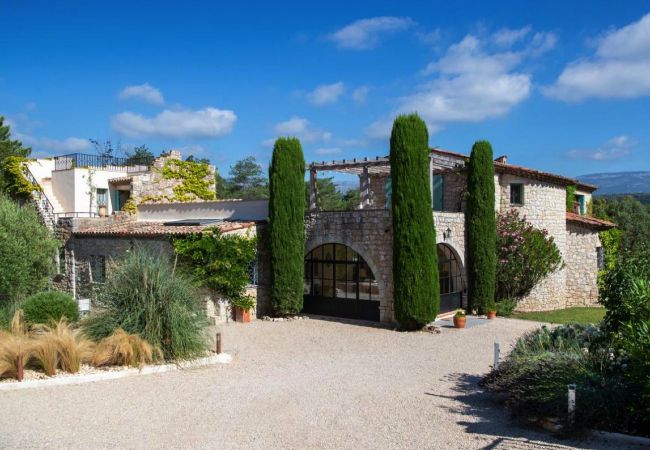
x: 287, y: 226
x: 525, y: 254
x: 506, y: 306
x: 144, y: 295
x: 46, y: 307
x: 570, y: 197
x: 415, y: 261
x: 27, y: 250
x: 481, y: 228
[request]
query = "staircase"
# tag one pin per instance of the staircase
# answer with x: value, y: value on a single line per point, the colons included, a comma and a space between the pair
x: 46, y: 186
x: 41, y: 200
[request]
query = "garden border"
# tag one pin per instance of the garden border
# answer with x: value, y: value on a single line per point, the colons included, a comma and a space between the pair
x: 222, y: 358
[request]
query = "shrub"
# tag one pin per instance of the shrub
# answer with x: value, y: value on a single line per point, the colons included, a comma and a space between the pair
x: 286, y: 226
x: 570, y: 197
x: 415, y: 261
x: 143, y: 294
x: 506, y: 306
x: 13, y: 347
x: 481, y: 228
x: 27, y: 249
x: 46, y: 307
x: 71, y: 347
x: 123, y: 349
x: 525, y: 254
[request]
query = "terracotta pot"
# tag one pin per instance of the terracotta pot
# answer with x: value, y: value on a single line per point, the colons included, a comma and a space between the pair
x: 242, y: 315
x: 103, y: 212
x: 459, y: 322
x: 491, y: 314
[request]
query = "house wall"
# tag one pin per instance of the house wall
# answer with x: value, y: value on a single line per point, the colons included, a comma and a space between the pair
x: 545, y: 208
x: 581, y: 266
x: 71, y: 188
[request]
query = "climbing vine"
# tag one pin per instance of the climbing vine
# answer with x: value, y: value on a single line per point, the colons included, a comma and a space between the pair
x: 14, y: 180
x: 194, y: 180
x: 220, y: 262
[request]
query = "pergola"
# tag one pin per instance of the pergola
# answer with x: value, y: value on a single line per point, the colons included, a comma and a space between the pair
x: 439, y: 161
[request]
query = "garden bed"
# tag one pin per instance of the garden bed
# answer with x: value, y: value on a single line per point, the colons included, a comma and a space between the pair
x: 88, y: 373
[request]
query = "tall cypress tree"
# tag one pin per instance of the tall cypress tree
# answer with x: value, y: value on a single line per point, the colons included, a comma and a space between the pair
x: 481, y: 228
x: 415, y: 259
x: 287, y: 225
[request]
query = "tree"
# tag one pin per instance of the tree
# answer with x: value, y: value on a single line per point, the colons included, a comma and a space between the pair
x: 141, y: 156
x: 286, y: 225
x: 246, y: 181
x: 12, y: 154
x: 105, y: 149
x: 351, y: 199
x: 481, y: 228
x: 192, y: 158
x: 27, y: 250
x: 415, y: 261
x: 329, y: 197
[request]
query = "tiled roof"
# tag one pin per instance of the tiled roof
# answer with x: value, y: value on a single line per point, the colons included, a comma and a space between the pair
x: 157, y: 229
x: 590, y: 221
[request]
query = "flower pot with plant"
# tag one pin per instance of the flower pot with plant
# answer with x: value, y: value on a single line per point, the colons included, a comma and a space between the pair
x: 103, y: 211
x: 460, y: 319
x: 242, y: 307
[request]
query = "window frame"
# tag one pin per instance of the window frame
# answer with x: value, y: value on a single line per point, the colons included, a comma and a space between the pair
x: 92, y: 261
x: 521, y: 194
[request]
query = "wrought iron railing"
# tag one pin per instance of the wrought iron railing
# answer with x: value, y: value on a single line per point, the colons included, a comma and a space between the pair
x: 113, y: 163
x: 43, y: 205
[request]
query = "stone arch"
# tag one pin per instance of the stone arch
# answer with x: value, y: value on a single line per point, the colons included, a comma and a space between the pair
x: 379, y: 277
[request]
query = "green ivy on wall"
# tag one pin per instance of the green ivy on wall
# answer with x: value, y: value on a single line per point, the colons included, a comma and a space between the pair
x: 570, y: 197
x: 192, y: 177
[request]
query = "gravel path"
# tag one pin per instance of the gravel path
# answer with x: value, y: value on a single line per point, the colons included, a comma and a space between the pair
x: 299, y: 384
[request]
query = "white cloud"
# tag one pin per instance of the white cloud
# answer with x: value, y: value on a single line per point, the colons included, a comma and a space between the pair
x: 471, y: 82
x: 144, y: 92
x: 326, y: 94
x: 70, y: 144
x: 328, y: 151
x: 359, y: 94
x: 365, y: 33
x: 507, y: 36
x: 203, y: 123
x: 615, y: 148
x: 620, y: 68
x: 298, y: 127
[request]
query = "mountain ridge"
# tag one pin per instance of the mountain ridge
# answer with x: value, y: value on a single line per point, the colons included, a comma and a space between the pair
x: 628, y: 182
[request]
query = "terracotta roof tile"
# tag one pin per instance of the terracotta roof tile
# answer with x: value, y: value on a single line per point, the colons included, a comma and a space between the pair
x: 157, y: 229
x: 589, y: 220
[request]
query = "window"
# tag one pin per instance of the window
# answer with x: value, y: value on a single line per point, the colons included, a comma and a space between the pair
x: 252, y: 273
x: 438, y: 192
x: 600, y: 256
x: 337, y: 271
x: 516, y: 194
x: 60, y: 261
x: 580, y: 199
x: 102, y: 197
x: 449, y: 272
x: 388, y: 189
x: 97, y: 268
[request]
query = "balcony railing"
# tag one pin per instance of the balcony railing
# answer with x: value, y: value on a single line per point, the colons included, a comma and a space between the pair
x: 112, y: 163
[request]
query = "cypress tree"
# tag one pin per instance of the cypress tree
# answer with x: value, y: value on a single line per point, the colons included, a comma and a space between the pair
x: 415, y: 259
x: 481, y: 228
x: 286, y: 225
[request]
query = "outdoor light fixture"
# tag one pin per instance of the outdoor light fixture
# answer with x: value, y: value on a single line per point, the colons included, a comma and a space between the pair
x: 446, y: 234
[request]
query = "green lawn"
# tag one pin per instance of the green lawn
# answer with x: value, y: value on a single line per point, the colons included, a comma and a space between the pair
x: 577, y: 315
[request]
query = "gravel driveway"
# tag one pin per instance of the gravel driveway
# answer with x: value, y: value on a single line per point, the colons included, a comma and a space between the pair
x: 298, y: 384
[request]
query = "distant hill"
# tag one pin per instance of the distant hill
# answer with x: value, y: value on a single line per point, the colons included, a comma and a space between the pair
x: 619, y: 182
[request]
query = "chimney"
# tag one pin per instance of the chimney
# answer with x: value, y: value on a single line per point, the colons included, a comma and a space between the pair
x: 172, y: 154
x: 503, y: 159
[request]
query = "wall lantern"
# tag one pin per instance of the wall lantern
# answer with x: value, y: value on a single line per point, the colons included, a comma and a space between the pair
x: 446, y: 234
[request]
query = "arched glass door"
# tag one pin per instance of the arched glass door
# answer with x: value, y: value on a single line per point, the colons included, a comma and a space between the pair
x: 451, y: 279
x: 338, y: 282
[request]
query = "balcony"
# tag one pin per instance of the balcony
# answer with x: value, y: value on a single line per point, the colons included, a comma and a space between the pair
x: 110, y: 163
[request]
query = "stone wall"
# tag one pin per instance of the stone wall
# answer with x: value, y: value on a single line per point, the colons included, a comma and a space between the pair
x: 378, y: 190
x: 454, y: 191
x: 545, y: 208
x: 152, y: 187
x: 581, y: 266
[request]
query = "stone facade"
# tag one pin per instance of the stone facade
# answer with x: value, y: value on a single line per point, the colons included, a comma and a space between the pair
x: 581, y: 266
x: 544, y: 207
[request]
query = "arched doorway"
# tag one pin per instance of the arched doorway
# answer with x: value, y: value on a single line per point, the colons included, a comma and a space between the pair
x: 451, y: 279
x: 339, y: 282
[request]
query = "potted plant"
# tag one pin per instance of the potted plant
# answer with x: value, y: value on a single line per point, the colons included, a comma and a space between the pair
x: 460, y: 319
x: 492, y: 311
x: 243, y: 306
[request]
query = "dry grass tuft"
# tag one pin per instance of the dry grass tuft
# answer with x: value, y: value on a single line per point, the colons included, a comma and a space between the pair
x: 13, y: 347
x: 61, y: 346
x: 123, y: 349
x: 18, y: 326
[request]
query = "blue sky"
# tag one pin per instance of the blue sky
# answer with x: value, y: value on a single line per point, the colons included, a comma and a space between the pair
x: 559, y: 86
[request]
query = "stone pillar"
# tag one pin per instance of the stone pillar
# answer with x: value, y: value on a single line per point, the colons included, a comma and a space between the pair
x: 313, y: 192
x: 364, y: 194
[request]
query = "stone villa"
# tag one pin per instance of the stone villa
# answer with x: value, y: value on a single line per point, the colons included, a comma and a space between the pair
x: 348, y: 254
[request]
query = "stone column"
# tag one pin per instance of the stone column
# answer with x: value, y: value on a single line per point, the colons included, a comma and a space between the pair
x: 313, y: 192
x: 364, y: 194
